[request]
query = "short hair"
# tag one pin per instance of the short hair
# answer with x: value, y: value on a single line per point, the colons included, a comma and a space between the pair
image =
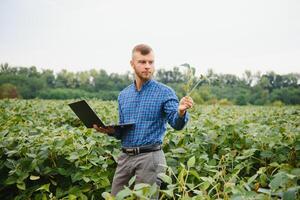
x: 144, y: 49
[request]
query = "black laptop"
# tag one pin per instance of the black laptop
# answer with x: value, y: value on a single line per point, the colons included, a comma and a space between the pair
x: 86, y: 114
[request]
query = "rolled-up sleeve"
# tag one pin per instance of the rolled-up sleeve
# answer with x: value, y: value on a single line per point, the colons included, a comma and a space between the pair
x: 171, y: 110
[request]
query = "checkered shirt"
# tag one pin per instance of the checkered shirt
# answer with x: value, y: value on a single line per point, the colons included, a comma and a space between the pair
x: 150, y: 109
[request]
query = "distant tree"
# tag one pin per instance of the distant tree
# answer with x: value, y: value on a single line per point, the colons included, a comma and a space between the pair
x: 274, y: 81
x: 102, y: 81
x: 8, y: 90
x: 4, y: 68
x: 48, y: 77
x: 289, y: 95
x: 170, y: 76
x: 66, y: 79
x: 213, y: 78
x: 252, y: 88
x: 248, y: 78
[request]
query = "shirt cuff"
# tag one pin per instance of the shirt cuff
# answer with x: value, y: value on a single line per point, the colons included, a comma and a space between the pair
x: 184, y: 118
x: 116, y: 134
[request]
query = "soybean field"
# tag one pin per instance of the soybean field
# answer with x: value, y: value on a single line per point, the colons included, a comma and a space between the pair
x: 225, y: 152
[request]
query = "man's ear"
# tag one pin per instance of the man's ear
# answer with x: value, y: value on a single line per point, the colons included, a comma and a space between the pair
x: 132, y: 64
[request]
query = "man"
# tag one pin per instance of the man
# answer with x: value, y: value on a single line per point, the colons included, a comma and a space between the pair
x: 150, y: 105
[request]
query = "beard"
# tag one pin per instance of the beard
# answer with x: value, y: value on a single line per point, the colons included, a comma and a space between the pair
x: 144, y: 76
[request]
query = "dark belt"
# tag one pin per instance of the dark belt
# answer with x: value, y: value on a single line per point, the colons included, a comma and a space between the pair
x: 143, y: 149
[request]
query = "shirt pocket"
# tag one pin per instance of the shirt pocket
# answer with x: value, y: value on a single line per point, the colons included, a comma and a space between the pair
x: 129, y: 112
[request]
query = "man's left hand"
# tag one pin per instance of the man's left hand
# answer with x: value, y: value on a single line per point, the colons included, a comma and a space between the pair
x: 184, y: 104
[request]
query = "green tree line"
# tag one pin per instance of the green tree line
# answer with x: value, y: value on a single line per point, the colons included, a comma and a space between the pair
x: 251, y: 88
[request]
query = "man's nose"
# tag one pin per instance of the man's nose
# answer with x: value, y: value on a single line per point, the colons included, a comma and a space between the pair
x: 148, y: 65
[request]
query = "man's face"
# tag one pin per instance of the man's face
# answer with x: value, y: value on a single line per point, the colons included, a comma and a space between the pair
x: 143, y: 65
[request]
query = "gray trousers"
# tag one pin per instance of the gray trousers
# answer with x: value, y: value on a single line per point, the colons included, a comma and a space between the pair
x: 146, y: 167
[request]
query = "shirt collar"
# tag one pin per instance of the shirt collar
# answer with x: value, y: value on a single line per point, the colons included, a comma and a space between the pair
x: 145, y: 85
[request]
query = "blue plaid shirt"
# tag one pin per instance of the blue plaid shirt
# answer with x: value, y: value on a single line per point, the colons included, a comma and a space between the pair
x: 150, y: 109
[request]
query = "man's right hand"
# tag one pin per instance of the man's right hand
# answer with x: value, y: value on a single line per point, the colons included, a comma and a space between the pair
x: 107, y: 130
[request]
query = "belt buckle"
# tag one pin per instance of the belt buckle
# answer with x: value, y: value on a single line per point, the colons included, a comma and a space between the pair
x: 133, y: 151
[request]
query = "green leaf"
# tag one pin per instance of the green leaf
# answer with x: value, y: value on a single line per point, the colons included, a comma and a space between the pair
x: 165, y: 178
x: 251, y: 179
x: 86, y: 188
x: 11, y: 153
x: 11, y: 179
x: 62, y: 171
x: 86, y: 179
x: 210, y: 180
x: 191, y: 162
x: 141, y: 186
x: 123, y: 193
x: 131, y: 181
x: 53, y: 182
x: 105, y: 182
x: 179, y: 150
x: 77, y: 176
x: 168, y: 192
x: 198, y: 192
x: 195, y: 174
x: 265, y: 191
x: 33, y: 178
x: 290, y: 195
x: 106, y: 196
x: 21, y: 186
x: 153, y: 189
x: 205, y: 185
x: 246, y: 154
x: 266, y: 154
x: 72, y: 197
x: 263, y: 180
x: 44, y: 187
x: 75, y: 190
x: 279, y: 180
x: 83, y: 197
x: 44, y: 197
x: 31, y: 155
x: 74, y: 156
x: 296, y: 172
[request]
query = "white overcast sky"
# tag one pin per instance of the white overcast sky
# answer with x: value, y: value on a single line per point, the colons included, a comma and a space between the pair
x: 228, y: 36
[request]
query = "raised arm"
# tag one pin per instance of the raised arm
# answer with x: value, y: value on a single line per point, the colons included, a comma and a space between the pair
x: 176, y: 112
